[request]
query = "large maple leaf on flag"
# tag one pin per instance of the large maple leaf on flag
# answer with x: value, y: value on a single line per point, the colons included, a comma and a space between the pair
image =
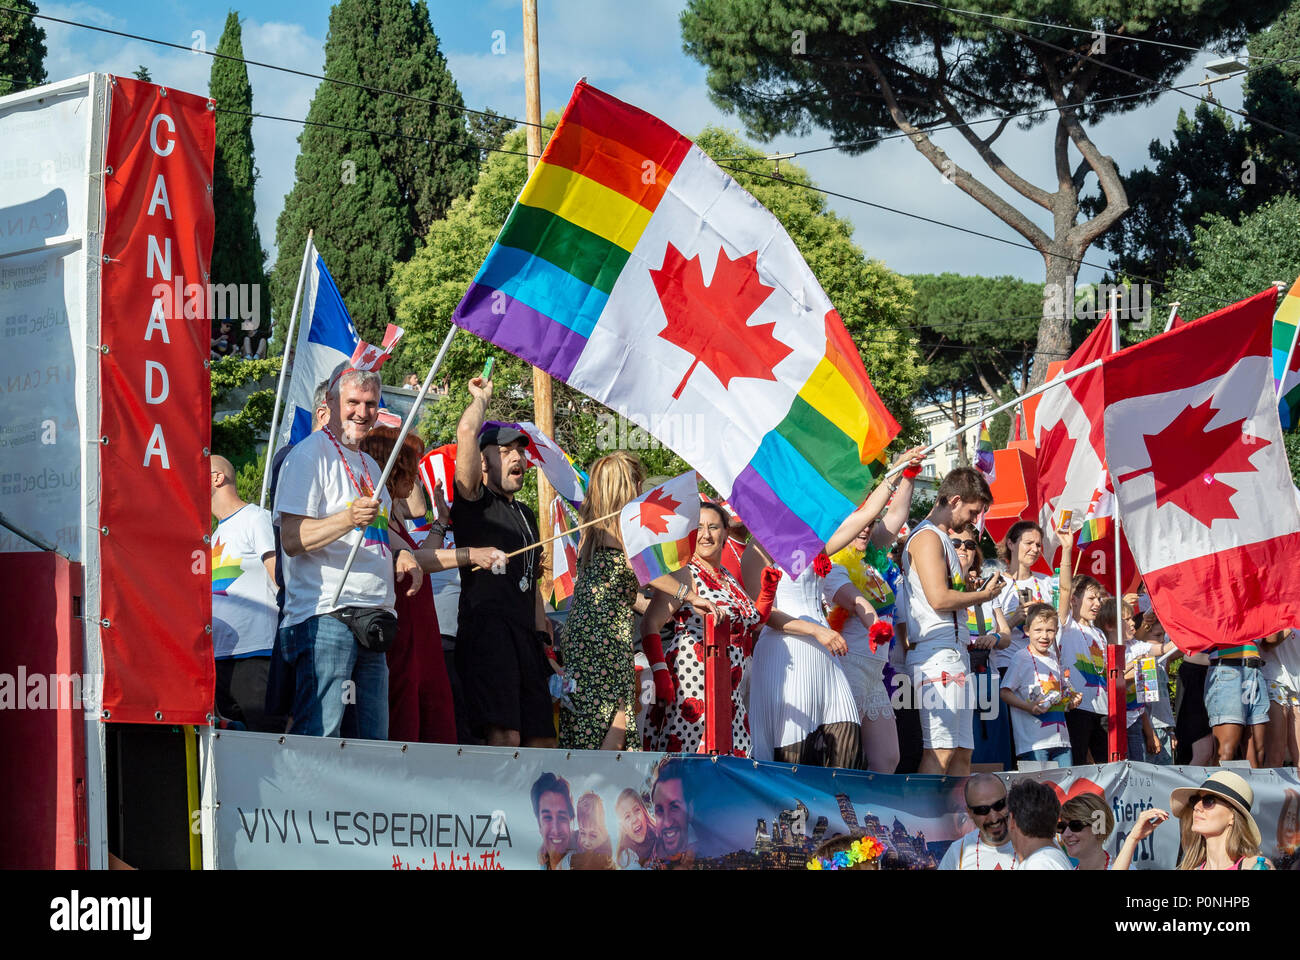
x: 656, y: 509
x: 711, y: 322
x: 1055, y: 452
x: 1186, y: 458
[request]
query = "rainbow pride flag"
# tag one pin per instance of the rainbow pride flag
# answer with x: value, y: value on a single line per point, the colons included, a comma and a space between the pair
x: 659, y: 527
x: 635, y: 270
x: 1092, y: 530
x: 1286, y: 357
x: 984, y: 462
x: 376, y: 534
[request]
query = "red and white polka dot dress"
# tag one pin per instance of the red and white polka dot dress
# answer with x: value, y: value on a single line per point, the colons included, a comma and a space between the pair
x: 678, y: 727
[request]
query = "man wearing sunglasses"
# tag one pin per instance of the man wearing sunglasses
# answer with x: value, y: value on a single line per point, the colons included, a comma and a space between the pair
x: 988, y: 847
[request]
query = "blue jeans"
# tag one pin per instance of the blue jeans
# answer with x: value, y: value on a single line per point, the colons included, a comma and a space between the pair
x: 1235, y: 694
x: 1057, y: 755
x: 340, y: 688
x: 1137, y: 742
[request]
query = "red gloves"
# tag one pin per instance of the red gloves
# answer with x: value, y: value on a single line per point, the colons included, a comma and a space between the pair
x: 767, y: 593
x: 881, y: 632
x: 653, y: 648
x: 911, y: 472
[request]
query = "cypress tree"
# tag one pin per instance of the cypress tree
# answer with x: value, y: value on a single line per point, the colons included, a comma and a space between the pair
x: 22, y: 49
x: 237, y: 255
x: 371, y: 191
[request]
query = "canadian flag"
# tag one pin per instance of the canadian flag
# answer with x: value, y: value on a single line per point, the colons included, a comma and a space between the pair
x: 1068, y: 437
x: 1201, y: 477
x: 369, y: 357
x: 439, y: 466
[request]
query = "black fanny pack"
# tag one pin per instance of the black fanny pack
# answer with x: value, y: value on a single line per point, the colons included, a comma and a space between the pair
x: 374, y: 628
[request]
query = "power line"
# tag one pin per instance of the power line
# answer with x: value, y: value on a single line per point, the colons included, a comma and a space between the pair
x: 372, y: 132
x: 1164, y: 88
x: 269, y: 66
x: 976, y: 233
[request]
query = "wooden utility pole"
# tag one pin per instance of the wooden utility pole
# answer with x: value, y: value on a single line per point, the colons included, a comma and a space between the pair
x: 543, y: 412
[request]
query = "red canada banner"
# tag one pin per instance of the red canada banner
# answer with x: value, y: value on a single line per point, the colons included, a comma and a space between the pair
x: 156, y: 606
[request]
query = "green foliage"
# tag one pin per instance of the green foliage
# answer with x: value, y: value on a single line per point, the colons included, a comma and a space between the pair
x: 22, y: 48
x: 142, y: 73
x: 248, y: 480
x: 489, y: 129
x: 976, y: 333
x: 871, y: 299
x: 237, y: 436
x: 1213, y: 165
x: 237, y: 255
x: 1232, y: 260
x: 1292, y: 440
x: 371, y: 195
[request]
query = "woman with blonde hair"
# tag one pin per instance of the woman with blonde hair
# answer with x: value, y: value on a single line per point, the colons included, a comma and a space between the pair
x: 1085, y: 825
x: 1218, y: 832
x: 597, y: 645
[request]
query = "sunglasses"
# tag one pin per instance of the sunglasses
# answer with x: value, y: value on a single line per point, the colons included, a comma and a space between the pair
x: 983, y: 809
x: 959, y: 544
x: 1208, y: 800
x: 1074, y: 826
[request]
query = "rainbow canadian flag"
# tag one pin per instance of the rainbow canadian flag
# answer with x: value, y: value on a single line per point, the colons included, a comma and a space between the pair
x: 659, y: 527
x: 635, y: 270
x: 564, y: 566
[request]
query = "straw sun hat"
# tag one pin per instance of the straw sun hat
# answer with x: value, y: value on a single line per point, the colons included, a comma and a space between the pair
x: 1231, y: 788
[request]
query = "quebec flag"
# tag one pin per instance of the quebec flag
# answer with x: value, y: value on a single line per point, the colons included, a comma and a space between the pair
x: 326, y: 337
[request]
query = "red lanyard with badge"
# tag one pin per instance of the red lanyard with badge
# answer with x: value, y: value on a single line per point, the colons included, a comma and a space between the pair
x: 369, y: 489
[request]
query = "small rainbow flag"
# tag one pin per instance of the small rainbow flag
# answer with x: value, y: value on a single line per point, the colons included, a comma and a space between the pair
x: 1286, y: 358
x: 659, y: 527
x: 599, y: 278
x: 565, y: 562
x: 1092, y: 530
x: 984, y: 461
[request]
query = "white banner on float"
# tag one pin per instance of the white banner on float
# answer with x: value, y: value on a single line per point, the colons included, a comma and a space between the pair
x: 311, y: 803
x: 44, y: 147
x: 303, y: 802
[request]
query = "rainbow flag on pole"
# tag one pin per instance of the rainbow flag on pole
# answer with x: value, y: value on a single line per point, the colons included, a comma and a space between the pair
x: 984, y: 462
x: 659, y: 527
x: 1286, y: 358
x: 637, y: 271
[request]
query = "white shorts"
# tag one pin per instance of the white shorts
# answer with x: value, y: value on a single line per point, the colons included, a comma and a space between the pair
x: 944, y: 693
x: 866, y: 680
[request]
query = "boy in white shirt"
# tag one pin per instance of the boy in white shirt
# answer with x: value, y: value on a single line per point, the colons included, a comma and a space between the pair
x: 1036, y: 688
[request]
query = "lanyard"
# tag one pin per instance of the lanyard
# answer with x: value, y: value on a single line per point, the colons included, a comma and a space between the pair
x: 369, y: 489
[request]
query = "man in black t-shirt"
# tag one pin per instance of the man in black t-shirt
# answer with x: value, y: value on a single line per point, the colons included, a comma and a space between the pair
x: 502, y: 626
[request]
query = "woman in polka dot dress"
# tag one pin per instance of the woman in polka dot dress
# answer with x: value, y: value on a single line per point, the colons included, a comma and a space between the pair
x: 676, y: 725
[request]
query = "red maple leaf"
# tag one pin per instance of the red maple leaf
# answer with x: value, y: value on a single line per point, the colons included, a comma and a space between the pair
x: 712, y: 322
x: 1055, y: 451
x: 656, y: 509
x: 1185, y: 458
x: 531, y: 453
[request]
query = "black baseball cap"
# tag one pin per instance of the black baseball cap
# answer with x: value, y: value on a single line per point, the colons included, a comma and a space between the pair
x: 500, y: 434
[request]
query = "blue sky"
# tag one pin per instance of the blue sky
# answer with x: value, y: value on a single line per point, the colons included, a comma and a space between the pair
x: 637, y: 58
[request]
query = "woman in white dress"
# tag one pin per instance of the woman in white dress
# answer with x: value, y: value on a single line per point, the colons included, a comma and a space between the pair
x: 801, y: 706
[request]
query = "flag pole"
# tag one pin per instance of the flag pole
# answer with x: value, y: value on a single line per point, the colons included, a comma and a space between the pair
x: 1295, y: 338
x: 284, y: 365
x: 1118, y: 746
x: 971, y: 424
x: 1173, y: 312
x: 563, y: 533
x: 397, y: 449
x: 543, y: 407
